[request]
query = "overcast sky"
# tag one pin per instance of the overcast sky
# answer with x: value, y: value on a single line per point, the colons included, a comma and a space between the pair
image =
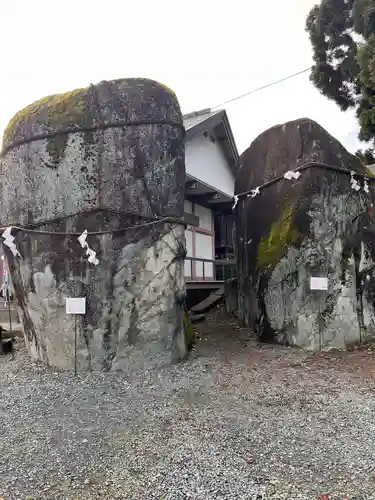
x: 205, y: 50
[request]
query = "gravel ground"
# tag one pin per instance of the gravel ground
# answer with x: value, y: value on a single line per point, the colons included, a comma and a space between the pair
x: 235, y: 421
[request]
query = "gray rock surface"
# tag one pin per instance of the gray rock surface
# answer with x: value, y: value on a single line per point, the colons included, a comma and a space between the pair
x: 103, y: 158
x: 231, y: 296
x: 313, y: 226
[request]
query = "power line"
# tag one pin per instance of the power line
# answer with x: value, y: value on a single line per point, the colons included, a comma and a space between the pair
x: 262, y: 87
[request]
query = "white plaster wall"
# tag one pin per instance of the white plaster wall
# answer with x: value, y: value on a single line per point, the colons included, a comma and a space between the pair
x: 205, y: 217
x: 206, y: 162
x: 188, y: 207
x: 189, y: 252
x: 203, y: 242
x: 203, y: 250
x: 189, y: 243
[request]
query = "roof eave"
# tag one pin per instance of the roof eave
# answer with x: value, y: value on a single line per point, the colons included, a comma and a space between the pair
x: 210, y: 123
x: 204, y: 124
x: 232, y: 142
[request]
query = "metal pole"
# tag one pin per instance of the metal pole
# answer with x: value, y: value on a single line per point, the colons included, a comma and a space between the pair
x: 9, y: 311
x: 75, y: 345
x: 320, y: 334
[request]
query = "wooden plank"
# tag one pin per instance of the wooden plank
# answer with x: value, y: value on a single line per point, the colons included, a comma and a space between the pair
x: 209, y: 301
x: 191, y: 220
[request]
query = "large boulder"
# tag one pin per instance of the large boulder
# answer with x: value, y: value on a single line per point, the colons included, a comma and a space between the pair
x: 318, y: 225
x: 108, y: 159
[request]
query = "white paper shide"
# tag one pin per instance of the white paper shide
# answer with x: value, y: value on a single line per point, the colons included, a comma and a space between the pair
x: 91, y: 254
x: 9, y: 241
x: 291, y: 175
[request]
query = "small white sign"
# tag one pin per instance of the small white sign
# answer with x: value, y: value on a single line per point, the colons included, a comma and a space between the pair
x: 318, y: 283
x: 75, y: 305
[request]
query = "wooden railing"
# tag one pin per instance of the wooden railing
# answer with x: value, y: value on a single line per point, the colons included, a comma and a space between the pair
x: 209, y: 270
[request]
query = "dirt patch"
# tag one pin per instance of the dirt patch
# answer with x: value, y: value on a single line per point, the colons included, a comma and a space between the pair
x: 220, y: 336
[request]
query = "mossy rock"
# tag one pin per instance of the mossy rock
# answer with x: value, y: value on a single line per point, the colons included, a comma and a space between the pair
x: 314, y: 215
x: 121, y: 101
x: 368, y: 172
x: 189, y: 331
x: 282, y: 234
x: 124, y: 83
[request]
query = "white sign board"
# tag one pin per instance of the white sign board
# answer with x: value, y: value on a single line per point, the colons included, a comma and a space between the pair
x: 75, y: 305
x: 318, y: 283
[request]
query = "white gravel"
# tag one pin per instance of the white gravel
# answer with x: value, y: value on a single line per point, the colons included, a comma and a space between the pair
x: 235, y: 421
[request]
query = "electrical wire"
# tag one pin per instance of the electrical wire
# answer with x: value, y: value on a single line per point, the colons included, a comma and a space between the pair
x: 262, y: 87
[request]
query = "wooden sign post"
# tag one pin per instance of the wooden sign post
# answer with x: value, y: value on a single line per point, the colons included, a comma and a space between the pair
x: 76, y: 305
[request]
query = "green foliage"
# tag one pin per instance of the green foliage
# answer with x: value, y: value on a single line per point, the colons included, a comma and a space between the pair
x: 366, y: 156
x: 342, y: 34
x: 282, y: 234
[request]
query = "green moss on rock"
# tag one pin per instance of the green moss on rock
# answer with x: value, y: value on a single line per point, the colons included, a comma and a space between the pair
x: 282, y: 234
x: 169, y: 90
x: 369, y: 173
x: 60, y: 113
x: 61, y: 110
x: 56, y: 148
